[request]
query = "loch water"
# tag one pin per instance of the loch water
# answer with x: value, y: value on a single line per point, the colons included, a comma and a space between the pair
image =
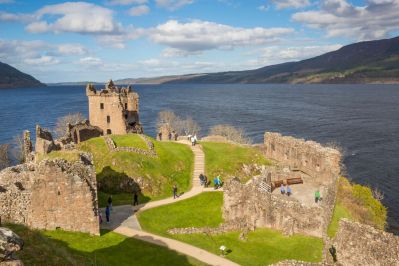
x: 362, y: 119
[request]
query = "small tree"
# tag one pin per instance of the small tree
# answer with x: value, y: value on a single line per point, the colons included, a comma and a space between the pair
x: 231, y: 133
x: 18, y: 149
x: 189, y: 126
x: 4, y: 156
x: 61, y: 124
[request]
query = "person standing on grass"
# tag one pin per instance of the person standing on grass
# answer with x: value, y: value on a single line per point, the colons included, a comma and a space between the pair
x: 317, y: 196
x: 175, y: 191
x: 110, y: 202
x: 135, y: 199
x: 107, y: 213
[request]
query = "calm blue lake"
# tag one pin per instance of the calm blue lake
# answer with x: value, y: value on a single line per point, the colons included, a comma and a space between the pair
x: 363, y: 119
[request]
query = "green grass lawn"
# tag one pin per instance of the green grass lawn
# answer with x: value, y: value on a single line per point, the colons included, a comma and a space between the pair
x: 129, y: 140
x: 264, y: 246
x: 119, y: 199
x: 227, y: 159
x: 69, y: 248
x: 174, y: 164
x: 340, y: 211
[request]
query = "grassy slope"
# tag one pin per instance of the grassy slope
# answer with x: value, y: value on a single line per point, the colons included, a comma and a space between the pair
x: 356, y: 202
x: 264, y: 246
x: 131, y: 140
x: 227, y: 159
x: 173, y: 165
x: 67, y: 248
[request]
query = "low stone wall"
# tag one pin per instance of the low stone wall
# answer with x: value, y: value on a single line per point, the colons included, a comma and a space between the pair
x: 321, y: 163
x: 358, y: 244
x: 254, y: 206
x: 52, y: 194
x: 113, y: 148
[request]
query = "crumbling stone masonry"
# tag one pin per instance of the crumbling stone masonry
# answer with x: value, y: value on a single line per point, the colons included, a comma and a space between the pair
x: 44, y: 141
x: 114, y: 110
x: 321, y: 163
x: 358, y: 244
x: 83, y: 131
x: 51, y: 194
x: 27, y: 147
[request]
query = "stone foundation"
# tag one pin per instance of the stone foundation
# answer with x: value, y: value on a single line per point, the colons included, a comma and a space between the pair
x: 52, y: 194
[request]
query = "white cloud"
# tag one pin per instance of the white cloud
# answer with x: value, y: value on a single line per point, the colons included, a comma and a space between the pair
x: 18, y: 17
x: 127, y: 2
x: 79, y: 17
x: 139, y: 10
x: 71, y: 49
x: 90, y: 61
x: 340, y: 18
x: 263, y: 8
x: 198, y: 36
x: 173, y: 4
x: 282, y: 4
x: 42, y: 60
x: 277, y: 54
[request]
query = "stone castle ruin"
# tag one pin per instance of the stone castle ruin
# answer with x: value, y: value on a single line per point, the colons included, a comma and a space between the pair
x: 307, y: 167
x: 114, y: 110
x: 51, y: 194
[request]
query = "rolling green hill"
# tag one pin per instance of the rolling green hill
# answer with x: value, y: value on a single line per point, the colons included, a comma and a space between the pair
x: 11, y: 77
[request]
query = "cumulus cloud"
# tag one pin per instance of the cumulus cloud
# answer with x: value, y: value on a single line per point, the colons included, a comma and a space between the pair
x: 127, y: 2
x: 17, y: 17
x: 282, y: 4
x: 42, y: 60
x: 139, y: 10
x: 90, y: 61
x: 340, y: 18
x: 79, y: 17
x: 197, y: 36
x: 173, y: 4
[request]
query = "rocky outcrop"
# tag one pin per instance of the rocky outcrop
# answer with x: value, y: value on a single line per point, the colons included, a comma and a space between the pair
x: 9, y: 244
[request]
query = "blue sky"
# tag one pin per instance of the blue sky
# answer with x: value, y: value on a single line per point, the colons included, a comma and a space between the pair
x: 58, y: 41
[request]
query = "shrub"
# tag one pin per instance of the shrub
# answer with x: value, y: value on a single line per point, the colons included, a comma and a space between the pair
x: 231, y: 133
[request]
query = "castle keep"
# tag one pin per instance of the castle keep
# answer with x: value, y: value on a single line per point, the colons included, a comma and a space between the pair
x: 115, y: 110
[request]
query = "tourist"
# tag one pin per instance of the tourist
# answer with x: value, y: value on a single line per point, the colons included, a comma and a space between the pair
x: 317, y: 196
x: 175, y: 191
x: 110, y: 202
x: 100, y: 218
x: 220, y: 183
x: 282, y: 189
x: 189, y: 137
x: 195, y: 139
x: 135, y: 199
x: 206, y: 181
x: 202, y: 179
x: 107, y: 213
x: 192, y: 141
x: 288, y: 190
x: 215, y: 182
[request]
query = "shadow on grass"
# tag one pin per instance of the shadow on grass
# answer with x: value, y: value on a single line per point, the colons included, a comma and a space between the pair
x: 68, y: 248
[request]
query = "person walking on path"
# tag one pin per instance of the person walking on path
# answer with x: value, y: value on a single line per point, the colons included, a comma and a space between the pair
x: 282, y: 189
x: 175, y: 191
x: 195, y: 139
x: 107, y: 213
x: 288, y: 190
x: 135, y: 199
x: 192, y: 141
x: 110, y: 202
x: 317, y: 196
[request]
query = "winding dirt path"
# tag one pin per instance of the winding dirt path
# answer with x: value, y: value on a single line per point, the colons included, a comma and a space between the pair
x: 124, y: 220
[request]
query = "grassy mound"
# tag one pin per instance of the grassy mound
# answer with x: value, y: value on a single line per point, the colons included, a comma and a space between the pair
x: 130, y: 140
x: 67, y: 248
x: 264, y: 246
x: 227, y: 159
x: 356, y: 202
x: 156, y: 175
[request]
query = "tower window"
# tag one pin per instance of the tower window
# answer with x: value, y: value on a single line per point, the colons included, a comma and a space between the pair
x: 101, y: 106
x: 108, y: 119
x: 125, y: 105
x: 109, y: 132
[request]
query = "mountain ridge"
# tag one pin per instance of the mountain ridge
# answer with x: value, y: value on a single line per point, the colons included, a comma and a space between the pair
x: 10, y: 77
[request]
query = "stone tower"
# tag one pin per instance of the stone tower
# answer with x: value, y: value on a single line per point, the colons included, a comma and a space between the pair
x: 115, y: 110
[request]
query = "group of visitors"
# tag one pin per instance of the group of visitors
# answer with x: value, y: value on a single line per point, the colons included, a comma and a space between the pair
x: 193, y: 139
x: 217, y: 181
x: 285, y: 190
x: 203, y: 180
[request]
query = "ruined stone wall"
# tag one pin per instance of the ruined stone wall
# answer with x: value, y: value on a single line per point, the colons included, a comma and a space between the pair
x: 251, y: 205
x: 121, y: 105
x: 358, y: 244
x: 83, y: 131
x: 52, y: 194
x: 44, y: 141
x: 321, y: 163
